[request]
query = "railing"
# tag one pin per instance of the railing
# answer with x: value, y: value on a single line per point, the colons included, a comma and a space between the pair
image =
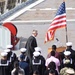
x: 15, y: 9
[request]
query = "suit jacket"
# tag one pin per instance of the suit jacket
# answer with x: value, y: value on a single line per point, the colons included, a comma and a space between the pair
x: 30, y: 45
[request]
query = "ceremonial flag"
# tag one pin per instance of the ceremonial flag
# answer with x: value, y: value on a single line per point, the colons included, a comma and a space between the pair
x: 58, y: 22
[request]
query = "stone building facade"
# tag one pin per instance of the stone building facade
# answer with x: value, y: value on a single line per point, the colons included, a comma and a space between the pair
x: 9, y: 4
x: 2, y: 5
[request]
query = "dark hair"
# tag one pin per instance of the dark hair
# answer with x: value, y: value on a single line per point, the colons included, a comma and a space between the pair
x: 36, y: 72
x: 52, y: 53
x: 22, y: 57
x: 16, y: 65
x: 52, y: 65
x: 54, y: 47
x: 52, y: 71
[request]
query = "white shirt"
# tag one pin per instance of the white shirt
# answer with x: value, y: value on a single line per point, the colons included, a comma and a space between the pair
x: 54, y: 59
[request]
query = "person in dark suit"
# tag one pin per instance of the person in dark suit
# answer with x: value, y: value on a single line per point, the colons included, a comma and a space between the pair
x: 31, y: 44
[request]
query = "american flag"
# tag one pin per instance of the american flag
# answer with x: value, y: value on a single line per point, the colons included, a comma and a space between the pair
x: 58, y: 22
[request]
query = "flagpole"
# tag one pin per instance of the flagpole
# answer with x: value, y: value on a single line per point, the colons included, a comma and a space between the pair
x: 66, y: 29
x: 66, y: 34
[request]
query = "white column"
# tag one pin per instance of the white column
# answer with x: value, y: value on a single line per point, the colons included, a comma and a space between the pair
x: 5, y: 7
x: 16, y: 2
x: 20, y: 1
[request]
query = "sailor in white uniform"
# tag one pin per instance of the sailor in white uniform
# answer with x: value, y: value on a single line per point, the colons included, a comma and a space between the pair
x: 12, y: 57
x: 23, y: 52
x: 37, y: 62
x: 4, y: 65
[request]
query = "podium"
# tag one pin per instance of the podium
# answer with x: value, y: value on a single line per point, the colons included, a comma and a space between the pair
x: 59, y: 49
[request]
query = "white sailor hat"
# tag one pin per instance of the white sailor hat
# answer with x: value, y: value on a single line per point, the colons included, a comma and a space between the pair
x: 36, y: 54
x: 23, y: 49
x: 9, y: 46
x: 66, y: 53
x: 7, y: 50
x: 70, y: 71
x: 69, y: 44
x: 4, y: 54
x: 37, y: 49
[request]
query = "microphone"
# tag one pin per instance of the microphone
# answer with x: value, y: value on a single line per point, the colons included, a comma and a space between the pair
x: 57, y: 39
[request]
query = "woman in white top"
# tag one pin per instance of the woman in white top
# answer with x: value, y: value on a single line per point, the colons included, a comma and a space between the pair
x: 17, y: 70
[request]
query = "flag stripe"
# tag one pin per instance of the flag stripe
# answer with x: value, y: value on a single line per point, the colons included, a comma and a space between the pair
x: 57, y: 27
x: 49, y: 36
x: 60, y: 22
x: 58, y: 16
x: 57, y: 20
